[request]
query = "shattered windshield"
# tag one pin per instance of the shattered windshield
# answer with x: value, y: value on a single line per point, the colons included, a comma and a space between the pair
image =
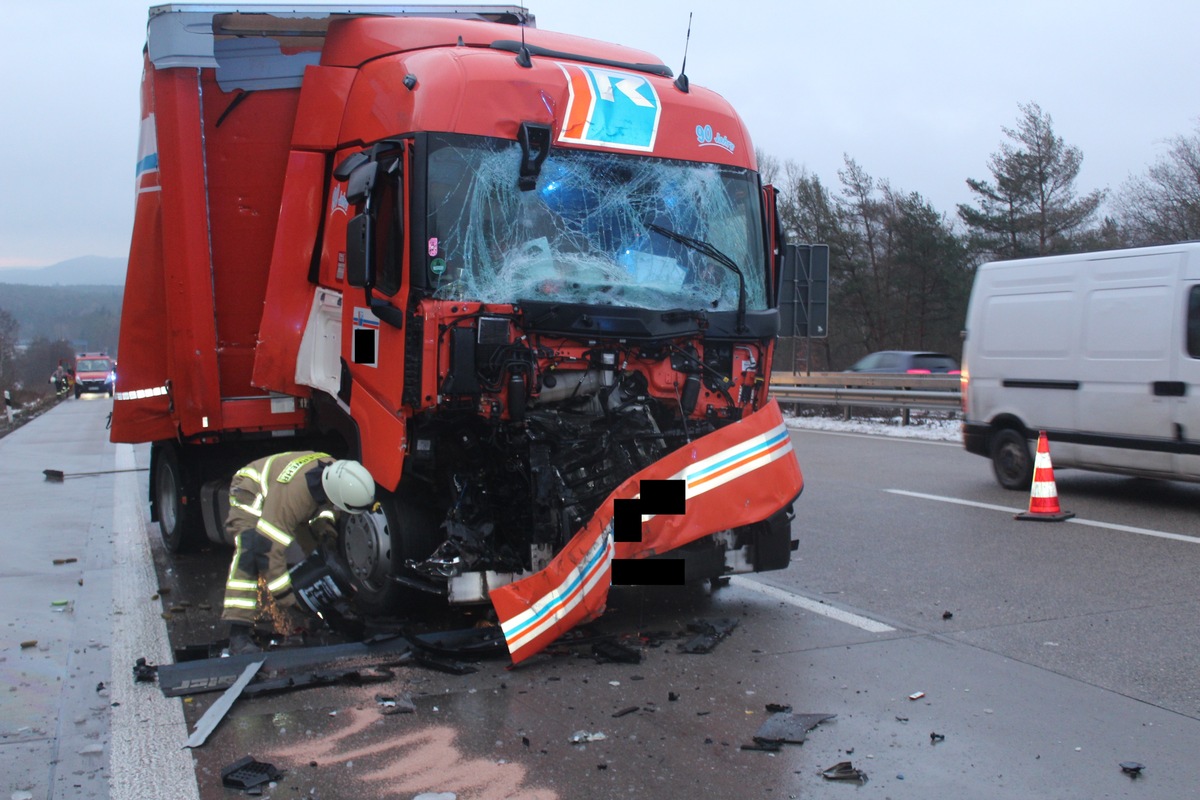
x: 583, y: 235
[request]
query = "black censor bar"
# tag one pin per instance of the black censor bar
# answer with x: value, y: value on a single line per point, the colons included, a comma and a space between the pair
x: 658, y: 497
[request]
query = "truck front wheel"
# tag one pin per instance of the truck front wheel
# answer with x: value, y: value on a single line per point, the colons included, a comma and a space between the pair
x: 1011, y: 460
x: 375, y: 546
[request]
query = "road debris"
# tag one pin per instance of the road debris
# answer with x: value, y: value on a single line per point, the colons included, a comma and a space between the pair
x: 710, y: 633
x: 28, y: 643
x: 1132, y: 768
x: 144, y: 672
x: 607, y: 650
x: 199, y: 675
x: 360, y: 676
x: 60, y: 561
x: 934, y: 738
x: 625, y: 711
x: 247, y: 773
x: 219, y: 709
x: 844, y: 771
x: 582, y: 737
x: 916, y: 695
x: 57, y: 475
x: 785, y: 728
x: 398, y: 704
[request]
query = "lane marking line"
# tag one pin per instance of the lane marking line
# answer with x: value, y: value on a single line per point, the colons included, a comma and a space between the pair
x: 864, y: 623
x: 1179, y: 537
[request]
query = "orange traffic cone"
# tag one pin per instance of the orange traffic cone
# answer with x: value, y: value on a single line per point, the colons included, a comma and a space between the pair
x: 1043, y: 496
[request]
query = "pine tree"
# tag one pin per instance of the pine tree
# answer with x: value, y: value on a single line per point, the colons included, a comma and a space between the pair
x: 1030, y: 207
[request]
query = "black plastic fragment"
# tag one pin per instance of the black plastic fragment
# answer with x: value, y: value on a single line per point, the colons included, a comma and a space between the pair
x: 607, y: 650
x: 934, y: 738
x: 784, y: 728
x: 246, y: 773
x: 844, y: 771
x: 1132, y: 768
x: 626, y: 710
x: 351, y: 677
x: 711, y: 631
x: 143, y: 672
x: 442, y: 664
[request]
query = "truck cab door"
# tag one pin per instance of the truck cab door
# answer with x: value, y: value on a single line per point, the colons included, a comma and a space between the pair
x: 376, y: 270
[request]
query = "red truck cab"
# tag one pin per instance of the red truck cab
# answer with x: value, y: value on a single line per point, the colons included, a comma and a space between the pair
x: 513, y: 272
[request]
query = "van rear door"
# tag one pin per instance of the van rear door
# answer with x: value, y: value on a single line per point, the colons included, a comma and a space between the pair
x: 1188, y: 405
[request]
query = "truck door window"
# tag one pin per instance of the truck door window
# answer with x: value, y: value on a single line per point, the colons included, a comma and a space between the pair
x: 389, y: 227
x: 582, y: 235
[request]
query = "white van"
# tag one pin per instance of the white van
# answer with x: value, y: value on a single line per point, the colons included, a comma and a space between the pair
x: 1099, y: 350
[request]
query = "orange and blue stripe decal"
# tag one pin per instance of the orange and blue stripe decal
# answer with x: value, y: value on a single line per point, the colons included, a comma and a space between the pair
x: 737, y: 461
x: 146, y: 169
x: 559, y: 602
x: 610, y: 108
x: 758, y: 467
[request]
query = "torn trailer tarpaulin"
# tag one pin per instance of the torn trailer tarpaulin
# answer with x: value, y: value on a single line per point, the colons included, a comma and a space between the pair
x: 735, y: 476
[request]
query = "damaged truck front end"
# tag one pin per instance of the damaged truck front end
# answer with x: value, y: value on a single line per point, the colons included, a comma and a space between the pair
x: 566, y: 332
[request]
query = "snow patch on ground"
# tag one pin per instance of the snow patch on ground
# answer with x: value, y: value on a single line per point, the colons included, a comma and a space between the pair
x: 931, y: 426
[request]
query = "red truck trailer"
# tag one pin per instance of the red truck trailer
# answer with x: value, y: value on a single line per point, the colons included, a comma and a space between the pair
x: 516, y: 273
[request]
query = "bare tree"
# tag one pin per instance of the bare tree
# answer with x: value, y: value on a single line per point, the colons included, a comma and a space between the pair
x: 1163, y: 206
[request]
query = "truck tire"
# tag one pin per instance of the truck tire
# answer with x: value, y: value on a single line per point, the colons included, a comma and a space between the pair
x: 376, y: 545
x: 1011, y: 460
x: 177, y: 510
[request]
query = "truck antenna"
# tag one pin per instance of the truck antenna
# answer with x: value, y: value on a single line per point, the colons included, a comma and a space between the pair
x: 681, y: 83
x: 523, y: 58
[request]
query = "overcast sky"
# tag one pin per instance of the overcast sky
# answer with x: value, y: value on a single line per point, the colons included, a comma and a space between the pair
x: 916, y: 92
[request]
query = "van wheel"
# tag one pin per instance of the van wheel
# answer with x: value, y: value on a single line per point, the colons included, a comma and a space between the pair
x: 178, y: 512
x: 1011, y: 460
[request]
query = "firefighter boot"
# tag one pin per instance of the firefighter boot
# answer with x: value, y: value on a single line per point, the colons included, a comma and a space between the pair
x: 240, y: 640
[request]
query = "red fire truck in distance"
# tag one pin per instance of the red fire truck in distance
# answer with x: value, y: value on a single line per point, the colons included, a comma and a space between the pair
x: 516, y: 273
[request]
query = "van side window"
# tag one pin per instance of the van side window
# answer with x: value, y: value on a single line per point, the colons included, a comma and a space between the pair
x: 1193, y: 322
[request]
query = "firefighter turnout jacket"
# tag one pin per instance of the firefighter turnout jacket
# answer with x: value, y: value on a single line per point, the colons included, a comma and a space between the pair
x: 274, y: 502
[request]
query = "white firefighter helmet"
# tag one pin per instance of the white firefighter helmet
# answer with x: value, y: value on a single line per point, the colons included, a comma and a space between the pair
x: 349, y: 486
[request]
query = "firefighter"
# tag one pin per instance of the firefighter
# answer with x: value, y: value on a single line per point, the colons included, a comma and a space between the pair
x: 273, y: 502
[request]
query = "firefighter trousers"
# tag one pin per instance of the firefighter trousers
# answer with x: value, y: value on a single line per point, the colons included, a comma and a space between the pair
x: 257, y: 556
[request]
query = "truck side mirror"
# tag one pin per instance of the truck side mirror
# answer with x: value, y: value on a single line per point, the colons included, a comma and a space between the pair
x: 361, y: 182
x: 360, y: 262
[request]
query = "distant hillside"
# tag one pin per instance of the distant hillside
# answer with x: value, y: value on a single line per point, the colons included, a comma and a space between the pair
x: 86, y: 316
x: 83, y: 271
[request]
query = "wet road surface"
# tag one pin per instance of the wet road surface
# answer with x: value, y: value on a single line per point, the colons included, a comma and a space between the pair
x: 1012, y: 726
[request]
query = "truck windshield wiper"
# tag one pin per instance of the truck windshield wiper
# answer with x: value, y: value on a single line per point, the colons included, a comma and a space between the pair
x: 706, y: 249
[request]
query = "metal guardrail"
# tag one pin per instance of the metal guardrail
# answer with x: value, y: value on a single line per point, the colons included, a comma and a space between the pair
x: 849, y: 390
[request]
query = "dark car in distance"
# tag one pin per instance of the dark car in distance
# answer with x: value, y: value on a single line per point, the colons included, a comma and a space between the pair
x: 911, y: 362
